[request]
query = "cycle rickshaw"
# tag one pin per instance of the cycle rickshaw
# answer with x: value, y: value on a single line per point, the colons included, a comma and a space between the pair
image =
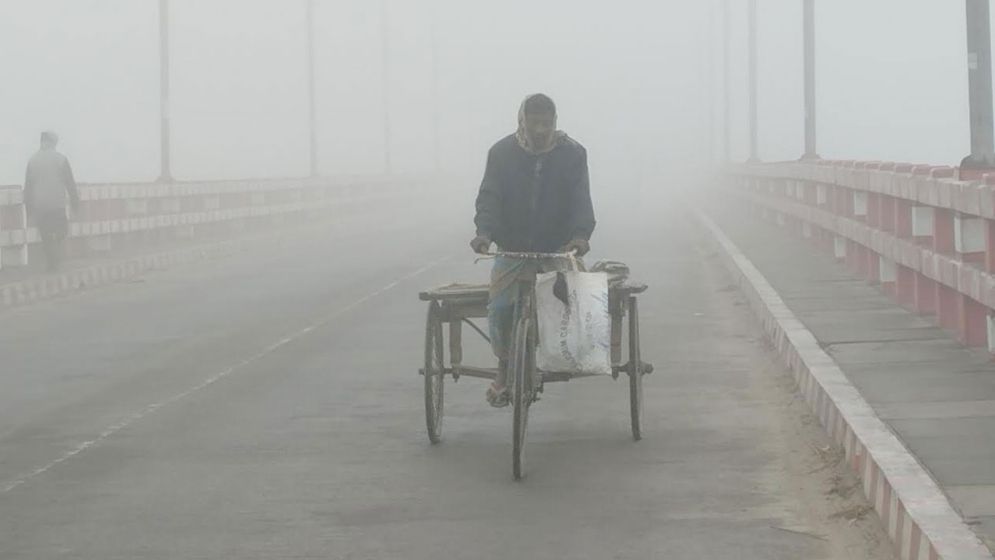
x: 453, y: 306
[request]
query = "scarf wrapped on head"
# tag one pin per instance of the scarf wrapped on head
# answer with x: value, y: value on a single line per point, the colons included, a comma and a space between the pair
x: 523, y: 137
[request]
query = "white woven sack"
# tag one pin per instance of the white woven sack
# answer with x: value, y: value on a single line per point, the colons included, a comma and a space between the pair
x: 574, y: 337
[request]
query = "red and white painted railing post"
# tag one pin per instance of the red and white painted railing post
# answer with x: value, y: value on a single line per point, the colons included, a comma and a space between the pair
x: 922, y: 235
x: 13, y: 229
x: 901, y: 210
x: 121, y: 216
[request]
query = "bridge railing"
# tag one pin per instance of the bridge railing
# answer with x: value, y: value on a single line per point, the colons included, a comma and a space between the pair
x: 116, y: 216
x: 922, y: 235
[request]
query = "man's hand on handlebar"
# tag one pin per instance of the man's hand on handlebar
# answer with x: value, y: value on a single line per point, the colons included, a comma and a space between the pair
x: 579, y: 247
x: 481, y: 244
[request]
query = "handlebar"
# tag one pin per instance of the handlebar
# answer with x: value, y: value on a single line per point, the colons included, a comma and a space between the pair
x: 536, y: 256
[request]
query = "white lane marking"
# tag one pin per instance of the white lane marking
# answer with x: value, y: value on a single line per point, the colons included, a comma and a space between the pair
x: 129, y: 420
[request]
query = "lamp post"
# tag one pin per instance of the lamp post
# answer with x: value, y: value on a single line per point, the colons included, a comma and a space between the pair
x: 726, y: 81
x: 312, y: 118
x: 436, y: 117
x: 165, y: 172
x: 710, y: 81
x: 979, y: 64
x: 385, y: 68
x: 811, y: 146
x: 754, y: 87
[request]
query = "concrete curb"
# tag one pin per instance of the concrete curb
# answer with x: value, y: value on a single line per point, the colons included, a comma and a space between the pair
x: 916, y: 514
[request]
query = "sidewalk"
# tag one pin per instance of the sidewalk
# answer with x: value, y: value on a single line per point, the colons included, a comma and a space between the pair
x: 937, y: 396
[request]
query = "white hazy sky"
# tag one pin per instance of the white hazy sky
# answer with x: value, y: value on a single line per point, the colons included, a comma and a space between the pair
x: 630, y: 77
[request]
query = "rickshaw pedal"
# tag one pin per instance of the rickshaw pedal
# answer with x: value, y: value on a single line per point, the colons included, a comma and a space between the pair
x: 646, y: 368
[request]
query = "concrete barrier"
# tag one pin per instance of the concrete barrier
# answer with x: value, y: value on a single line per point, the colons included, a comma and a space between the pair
x: 115, y: 216
x: 925, y: 237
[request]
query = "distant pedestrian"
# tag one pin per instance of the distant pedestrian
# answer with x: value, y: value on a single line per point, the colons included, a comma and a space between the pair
x: 47, y: 182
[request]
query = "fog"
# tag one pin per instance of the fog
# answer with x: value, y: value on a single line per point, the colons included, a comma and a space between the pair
x: 631, y: 80
x: 256, y: 369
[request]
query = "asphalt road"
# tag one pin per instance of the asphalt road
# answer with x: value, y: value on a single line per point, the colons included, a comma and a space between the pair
x: 267, y: 405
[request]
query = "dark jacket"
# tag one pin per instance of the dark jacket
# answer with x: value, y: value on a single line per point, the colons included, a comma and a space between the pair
x: 48, y: 180
x: 530, y: 203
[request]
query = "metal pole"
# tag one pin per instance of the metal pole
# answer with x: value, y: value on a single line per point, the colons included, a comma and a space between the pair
x: 312, y: 119
x: 726, y: 81
x: 710, y: 80
x: 811, y: 147
x: 754, y: 132
x: 436, y: 117
x: 385, y: 52
x: 979, y: 60
x: 165, y: 173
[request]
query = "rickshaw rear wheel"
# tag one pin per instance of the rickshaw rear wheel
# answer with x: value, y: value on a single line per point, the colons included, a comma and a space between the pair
x: 434, y: 373
x: 635, y: 372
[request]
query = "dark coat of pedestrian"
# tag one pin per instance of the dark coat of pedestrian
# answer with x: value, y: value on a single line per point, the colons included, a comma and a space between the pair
x: 48, y: 186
